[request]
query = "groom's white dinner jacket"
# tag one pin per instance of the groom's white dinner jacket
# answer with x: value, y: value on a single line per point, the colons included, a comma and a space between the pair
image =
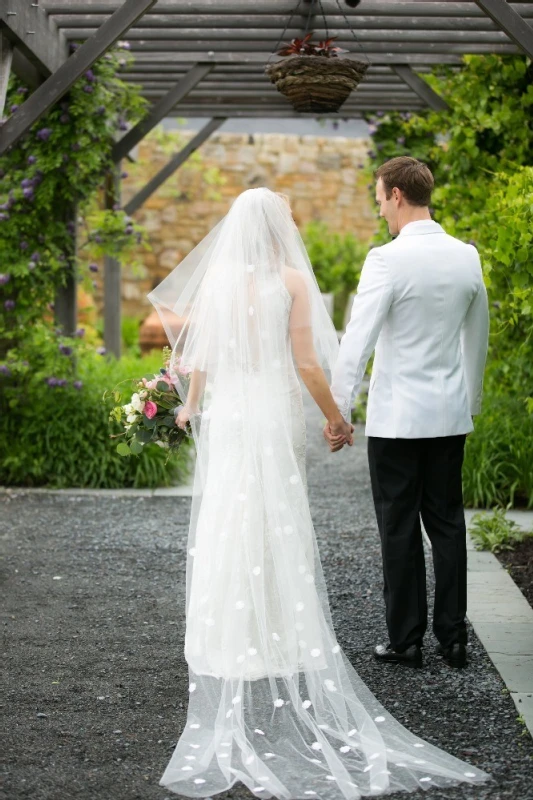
x: 422, y: 305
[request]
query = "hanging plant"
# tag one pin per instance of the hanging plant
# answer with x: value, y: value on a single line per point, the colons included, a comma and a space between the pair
x: 313, y: 77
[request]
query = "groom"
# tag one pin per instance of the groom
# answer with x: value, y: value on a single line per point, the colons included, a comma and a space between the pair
x: 422, y: 306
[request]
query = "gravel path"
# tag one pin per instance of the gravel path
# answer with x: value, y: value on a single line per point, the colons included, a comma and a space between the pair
x: 97, y: 683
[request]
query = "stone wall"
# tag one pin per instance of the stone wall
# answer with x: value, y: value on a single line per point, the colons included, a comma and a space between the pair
x: 324, y: 178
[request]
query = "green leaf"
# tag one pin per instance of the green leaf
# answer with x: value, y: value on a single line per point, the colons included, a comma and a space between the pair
x: 162, y: 386
x: 136, y: 447
x: 123, y: 449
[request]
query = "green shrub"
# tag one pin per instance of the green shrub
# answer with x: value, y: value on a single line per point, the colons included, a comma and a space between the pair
x: 337, y: 261
x: 59, y: 436
x: 499, y: 455
x: 495, y: 532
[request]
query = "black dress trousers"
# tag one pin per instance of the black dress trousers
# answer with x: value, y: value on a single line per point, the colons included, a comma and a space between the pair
x: 413, y: 479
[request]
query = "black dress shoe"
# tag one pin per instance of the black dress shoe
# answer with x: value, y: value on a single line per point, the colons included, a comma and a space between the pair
x: 454, y: 655
x: 411, y: 657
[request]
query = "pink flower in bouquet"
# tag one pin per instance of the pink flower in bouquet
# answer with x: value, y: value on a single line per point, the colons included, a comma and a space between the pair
x: 150, y: 409
x: 150, y: 384
x: 184, y: 370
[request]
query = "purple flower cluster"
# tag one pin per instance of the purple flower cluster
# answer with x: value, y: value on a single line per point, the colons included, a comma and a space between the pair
x: 55, y: 381
x: 65, y: 350
x: 80, y: 333
x: 93, y: 267
x: 4, y: 370
x: 44, y: 134
x: 4, y: 278
x: 9, y: 305
x: 101, y: 351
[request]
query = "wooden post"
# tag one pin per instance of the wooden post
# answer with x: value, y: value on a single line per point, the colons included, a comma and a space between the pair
x: 112, y: 277
x: 65, y: 306
x: 6, y: 55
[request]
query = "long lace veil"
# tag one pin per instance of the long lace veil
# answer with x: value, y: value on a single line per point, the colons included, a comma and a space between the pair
x: 273, y: 700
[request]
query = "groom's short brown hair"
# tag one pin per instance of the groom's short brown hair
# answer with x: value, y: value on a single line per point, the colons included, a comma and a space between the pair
x: 412, y: 177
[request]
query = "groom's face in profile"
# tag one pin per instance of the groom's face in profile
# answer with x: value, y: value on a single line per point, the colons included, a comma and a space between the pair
x: 388, y: 208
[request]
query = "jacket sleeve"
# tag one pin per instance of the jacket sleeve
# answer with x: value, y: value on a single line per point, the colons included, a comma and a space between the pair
x: 474, y: 344
x: 370, y: 307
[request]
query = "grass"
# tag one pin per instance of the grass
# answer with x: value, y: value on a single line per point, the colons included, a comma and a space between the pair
x: 498, y: 466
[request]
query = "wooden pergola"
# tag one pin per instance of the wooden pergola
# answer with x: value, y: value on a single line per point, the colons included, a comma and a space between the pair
x: 206, y: 58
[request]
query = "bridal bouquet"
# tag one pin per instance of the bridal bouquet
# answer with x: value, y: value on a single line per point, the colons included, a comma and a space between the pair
x: 150, y: 415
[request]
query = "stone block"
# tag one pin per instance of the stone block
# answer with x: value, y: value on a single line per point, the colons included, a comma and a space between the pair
x: 516, y: 671
x: 524, y: 705
x: 169, y: 258
x: 328, y: 161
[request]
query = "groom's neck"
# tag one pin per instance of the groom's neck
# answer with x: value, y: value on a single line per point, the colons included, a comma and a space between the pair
x: 412, y: 214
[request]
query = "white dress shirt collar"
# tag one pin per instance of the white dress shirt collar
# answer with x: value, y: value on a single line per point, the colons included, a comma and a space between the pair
x: 421, y: 226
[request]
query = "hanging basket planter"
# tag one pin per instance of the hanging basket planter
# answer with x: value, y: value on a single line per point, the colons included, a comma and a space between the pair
x: 316, y: 83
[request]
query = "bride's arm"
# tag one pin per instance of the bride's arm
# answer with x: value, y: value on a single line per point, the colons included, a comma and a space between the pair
x: 194, y: 395
x: 305, y: 357
x: 196, y: 390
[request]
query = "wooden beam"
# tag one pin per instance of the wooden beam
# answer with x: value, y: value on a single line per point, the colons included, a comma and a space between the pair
x: 267, y: 39
x: 261, y: 57
x: 68, y: 73
x: 510, y: 21
x: 25, y: 70
x: 251, y: 112
x: 160, y: 110
x: 422, y: 89
x: 34, y: 33
x: 112, y: 278
x: 173, y: 164
x: 386, y: 8
x: 6, y: 57
x: 277, y: 23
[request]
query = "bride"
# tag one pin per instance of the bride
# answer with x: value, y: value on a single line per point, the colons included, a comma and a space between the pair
x: 273, y: 701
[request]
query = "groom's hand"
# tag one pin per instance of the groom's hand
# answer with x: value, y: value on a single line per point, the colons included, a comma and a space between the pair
x: 338, y: 434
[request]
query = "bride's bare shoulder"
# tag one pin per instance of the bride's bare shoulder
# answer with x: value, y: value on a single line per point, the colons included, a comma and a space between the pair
x: 294, y: 280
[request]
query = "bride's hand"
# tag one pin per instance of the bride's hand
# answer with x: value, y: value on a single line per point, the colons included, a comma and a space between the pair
x: 182, y: 418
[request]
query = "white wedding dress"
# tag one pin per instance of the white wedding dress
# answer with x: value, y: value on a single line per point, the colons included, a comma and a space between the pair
x: 273, y: 701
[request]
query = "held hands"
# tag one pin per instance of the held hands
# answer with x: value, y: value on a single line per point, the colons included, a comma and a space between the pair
x: 337, y: 434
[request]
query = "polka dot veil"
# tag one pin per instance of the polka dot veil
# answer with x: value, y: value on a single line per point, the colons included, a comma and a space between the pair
x: 273, y: 701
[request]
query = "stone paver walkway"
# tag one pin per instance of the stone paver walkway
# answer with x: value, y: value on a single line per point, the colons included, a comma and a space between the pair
x: 96, y: 680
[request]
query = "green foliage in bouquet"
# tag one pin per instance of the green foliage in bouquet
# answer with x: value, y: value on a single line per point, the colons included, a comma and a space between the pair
x: 55, y: 430
x: 150, y: 414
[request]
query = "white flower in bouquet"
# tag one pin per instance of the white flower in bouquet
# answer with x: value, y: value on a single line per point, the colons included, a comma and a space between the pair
x: 131, y: 418
x: 137, y: 403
